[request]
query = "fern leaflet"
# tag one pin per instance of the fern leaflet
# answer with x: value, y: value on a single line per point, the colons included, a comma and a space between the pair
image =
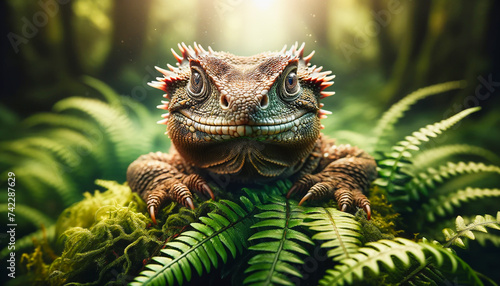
x: 279, y: 244
x: 200, y: 248
x: 340, y: 232
x: 397, y: 257
x: 446, y: 203
x: 432, y: 156
x: 424, y: 181
x: 480, y: 223
x: 391, y: 176
x: 115, y: 123
x: 391, y: 116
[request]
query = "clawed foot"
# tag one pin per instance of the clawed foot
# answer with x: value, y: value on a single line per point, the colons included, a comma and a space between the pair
x: 176, y: 189
x: 347, y: 194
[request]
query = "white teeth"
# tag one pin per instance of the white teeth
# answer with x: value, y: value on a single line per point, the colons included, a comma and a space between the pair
x: 218, y: 129
x: 241, y: 130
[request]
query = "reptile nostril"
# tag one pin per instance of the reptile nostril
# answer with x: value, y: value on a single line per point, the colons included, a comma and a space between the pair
x: 224, y: 102
x: 264, y: 101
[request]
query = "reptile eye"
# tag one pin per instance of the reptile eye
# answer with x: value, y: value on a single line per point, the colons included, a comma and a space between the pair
x: 291, y: 86
x: 197, y: 84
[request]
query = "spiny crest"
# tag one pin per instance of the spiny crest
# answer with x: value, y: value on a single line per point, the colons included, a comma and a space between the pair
x: 312, y: 74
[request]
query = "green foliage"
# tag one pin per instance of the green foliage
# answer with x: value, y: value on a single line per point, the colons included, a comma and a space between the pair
x: 340, y: 233
x: 201, y: 246
x: 386, y: 123
x: 279, y: 244
x: 59, y: 154
x: 95, y: 249
x: 445, y: 204
x: 435, y: 155
x: 392, y: 177
x: 398, y: 257
x: 480, y: 223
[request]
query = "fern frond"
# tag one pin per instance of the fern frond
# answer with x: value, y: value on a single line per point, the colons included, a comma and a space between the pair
x: 480, y: 223
x: 390, y: 117
x: 83, y: 146
x: 59, y: 182
x: 432, y: 156
x: 339, y: 230
x: 428, y: 180
x: 260, y: 196
x: 52, y: 120
x: 399, y: 257
x: 105, y: 90
x: 202, y: 246
x: 60, y: 151
x: 391, y: 176
x: 445, y: 204
x: 14, y: 148
x: 116, y: 125
x: 279, y: 244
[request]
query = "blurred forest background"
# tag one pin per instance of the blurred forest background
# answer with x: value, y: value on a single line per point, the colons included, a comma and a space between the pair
x: 379, y: 50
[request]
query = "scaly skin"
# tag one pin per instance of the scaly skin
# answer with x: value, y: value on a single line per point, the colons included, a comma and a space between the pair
x: 254, y: 119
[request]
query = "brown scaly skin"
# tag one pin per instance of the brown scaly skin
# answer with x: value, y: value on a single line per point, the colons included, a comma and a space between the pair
x: 254, y: 119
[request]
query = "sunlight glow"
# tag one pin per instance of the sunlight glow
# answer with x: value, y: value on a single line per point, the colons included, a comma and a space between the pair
x: 263, y: 4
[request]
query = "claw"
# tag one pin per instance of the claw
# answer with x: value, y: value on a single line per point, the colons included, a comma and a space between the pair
x: 207, y: 190
x: 343, y: 207
x: 189, y: 203
x: 292, y: 191
x: 305, y: 198
x: 368, y: 211
x: 152, y: 214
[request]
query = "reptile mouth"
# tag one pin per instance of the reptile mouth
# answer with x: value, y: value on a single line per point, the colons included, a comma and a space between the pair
x: 225, y: 130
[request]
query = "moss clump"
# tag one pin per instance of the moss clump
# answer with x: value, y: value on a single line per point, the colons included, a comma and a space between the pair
x: 104, y: 240
x: 113, y: 247
x: 85, y: 213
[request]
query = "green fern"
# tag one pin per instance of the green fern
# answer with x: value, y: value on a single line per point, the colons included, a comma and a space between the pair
x: 391, y: 176
x: 339, y: 231
x: 399, y: 257
x: 480, y: 223
x: 435, y: 155
x: 37, y: 175
x: 279, y: 243
x: 390, y: 117
x: 116, y: 125
x: 445, y: 204
x: 105, y: 91
x: 425, y: 181
x: 200, y: 247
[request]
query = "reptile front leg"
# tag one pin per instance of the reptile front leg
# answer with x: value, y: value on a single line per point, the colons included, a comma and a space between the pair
x: 158, y: 177
x: 344, y: 173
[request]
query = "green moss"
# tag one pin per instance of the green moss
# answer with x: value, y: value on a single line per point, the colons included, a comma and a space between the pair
x: 104, y: 240
x: 85, y: 213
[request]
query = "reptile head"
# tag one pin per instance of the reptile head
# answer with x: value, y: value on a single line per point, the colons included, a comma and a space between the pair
x: 231, y: 114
